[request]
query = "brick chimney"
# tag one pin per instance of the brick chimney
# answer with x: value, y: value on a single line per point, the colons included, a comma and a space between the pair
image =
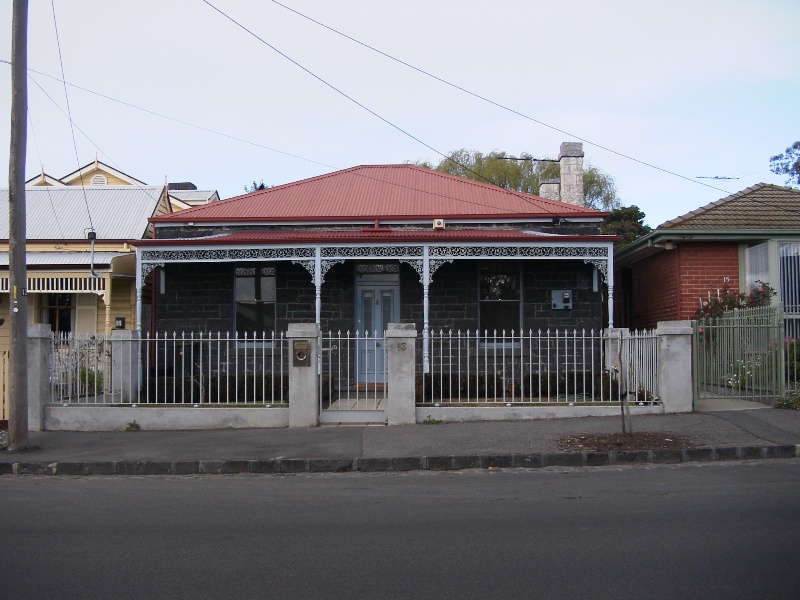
x: 571, y: 160
x: 549, y: 188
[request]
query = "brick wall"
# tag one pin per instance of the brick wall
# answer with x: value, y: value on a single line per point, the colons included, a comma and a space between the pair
x: 667, y: 286
x: 199, y: 297
x: 704, y: 268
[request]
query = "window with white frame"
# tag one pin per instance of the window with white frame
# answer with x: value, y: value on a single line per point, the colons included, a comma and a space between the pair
x: 254, y: 295
x: 790, y: 275
x: 757, y: 262
x: 499, y: 297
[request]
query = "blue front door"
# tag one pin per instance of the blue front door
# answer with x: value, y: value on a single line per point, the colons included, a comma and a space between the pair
x: 377, y: 305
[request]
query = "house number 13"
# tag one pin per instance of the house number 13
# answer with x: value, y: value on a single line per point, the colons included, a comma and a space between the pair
x: 401, y: 346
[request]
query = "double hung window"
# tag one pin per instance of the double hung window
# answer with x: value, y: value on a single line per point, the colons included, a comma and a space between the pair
x: 499, y: 298
x: 254, y: 293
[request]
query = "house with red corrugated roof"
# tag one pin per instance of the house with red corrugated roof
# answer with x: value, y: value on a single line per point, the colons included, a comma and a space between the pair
x: 750, y: 236
x: 360, y: 248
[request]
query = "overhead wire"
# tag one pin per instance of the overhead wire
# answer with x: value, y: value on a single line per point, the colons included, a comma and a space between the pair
x: 494, y: 102
x: 65, y: 83
x: 47, y: 187
x: 69, y: 114
x: 343, y: 94
x: 102, y: 151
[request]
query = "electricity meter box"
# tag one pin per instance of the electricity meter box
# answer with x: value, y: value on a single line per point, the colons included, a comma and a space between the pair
x: 562, y: 299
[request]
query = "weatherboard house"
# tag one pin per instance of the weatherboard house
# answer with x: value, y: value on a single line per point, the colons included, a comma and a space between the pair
x: 360, y: 248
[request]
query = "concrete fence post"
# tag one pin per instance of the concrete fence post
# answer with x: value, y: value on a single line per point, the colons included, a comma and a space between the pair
x: 401, y: 407
x: 675, y: 365
x: 40, y: 346
x: 303, y: 376
x: 125, y: 379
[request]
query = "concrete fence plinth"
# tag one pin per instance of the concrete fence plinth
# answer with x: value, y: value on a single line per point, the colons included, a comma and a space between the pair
x: 401, y: 407
x: 40, y: 342
x: 675, y: 365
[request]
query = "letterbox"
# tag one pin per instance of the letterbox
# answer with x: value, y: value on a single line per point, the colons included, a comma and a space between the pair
x: 301, y: 353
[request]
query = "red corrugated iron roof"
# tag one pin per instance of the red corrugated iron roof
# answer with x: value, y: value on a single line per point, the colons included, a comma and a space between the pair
x: 380, y: 192
x: 382, y: 235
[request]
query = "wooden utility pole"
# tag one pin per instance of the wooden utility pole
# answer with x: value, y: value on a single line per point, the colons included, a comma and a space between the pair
x: 18, y: 276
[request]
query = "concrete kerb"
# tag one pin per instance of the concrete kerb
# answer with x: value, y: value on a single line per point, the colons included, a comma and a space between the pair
x: 400, y: 464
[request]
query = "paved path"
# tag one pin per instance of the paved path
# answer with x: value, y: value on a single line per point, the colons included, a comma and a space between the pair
x: 752, y: 429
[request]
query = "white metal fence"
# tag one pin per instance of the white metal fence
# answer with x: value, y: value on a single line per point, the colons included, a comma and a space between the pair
x: 554, y: 366
x: 80, y: 370
x: 190, y: 369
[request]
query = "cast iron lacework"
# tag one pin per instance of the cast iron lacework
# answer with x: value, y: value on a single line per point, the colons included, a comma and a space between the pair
x: 600, y: 265
x: 326, y: 266
x: 523, y: 251
x: 251, y: 272
x: 373, y: 252
x: 433, y: 265
x: 147, y: 268
x: 415, y: 264
x: 234, y: 254
x: 308, y: 265
x: 376, y: 268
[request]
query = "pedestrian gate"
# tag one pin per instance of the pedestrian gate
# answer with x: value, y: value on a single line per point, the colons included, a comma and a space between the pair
x: 740, y: 355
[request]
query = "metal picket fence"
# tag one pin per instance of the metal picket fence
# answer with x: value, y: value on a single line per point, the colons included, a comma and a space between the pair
x: 541, y: 367
x: 170, y: 368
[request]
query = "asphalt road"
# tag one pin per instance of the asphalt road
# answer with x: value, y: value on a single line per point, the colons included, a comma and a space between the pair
x: 687, y: 531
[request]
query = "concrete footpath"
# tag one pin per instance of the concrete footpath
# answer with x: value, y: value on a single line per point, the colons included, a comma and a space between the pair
x: 717, y: 435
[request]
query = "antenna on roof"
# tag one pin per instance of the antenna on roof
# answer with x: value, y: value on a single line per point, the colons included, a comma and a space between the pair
x: 531, y: 159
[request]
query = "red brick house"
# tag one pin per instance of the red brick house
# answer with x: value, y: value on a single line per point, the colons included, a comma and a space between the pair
x: 753, y: 235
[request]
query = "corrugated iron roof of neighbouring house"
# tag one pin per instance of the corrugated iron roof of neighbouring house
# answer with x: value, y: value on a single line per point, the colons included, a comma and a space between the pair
x: 194, y: 196
x: 117, y: 212
x: 58, y: 259
x: 380, y: 192
x: 763, y: 206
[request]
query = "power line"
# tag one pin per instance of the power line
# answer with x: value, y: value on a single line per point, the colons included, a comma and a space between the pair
x: 69, y: 113
x: 493, y: 102
x: 47, y: 187
x: 174, y: 119
x: 91, y: 141
x: 342, y: 93
x: 401, y: 186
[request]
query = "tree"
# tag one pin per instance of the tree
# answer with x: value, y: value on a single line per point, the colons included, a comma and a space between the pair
x: 523, y: 174
x: 787, y: 163
x: 255, y: 186
x: 625, y: 221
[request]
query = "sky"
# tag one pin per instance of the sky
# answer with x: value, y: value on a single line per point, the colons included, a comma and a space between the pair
x: 698, y: 88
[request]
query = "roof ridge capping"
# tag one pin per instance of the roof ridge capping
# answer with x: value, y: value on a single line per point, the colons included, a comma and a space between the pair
x: 754, y: 189
x: 405, y: 190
